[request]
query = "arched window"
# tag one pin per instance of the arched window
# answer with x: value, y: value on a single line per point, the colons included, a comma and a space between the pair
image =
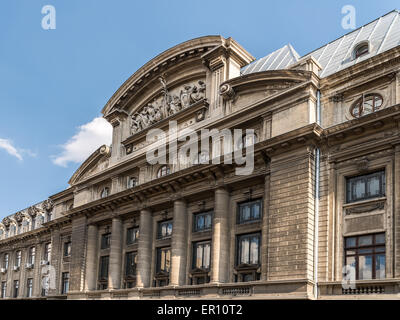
x: 104, y: 192
x: 132, y: 182
x: 163, y: 171
x: 361, y: 50
x: 366, y: 104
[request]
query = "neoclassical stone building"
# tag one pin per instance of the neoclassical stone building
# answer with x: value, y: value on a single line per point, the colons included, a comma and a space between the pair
x: 322, y: 203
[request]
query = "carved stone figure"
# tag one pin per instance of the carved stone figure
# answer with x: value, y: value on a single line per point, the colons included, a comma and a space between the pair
x: 7, y: 222
x: 33, y: 211
x: 198, y: 93
x: 170, y: 105
x: 185, y: 96
x: 175, y: 105
x: 48, y: 204
x: 19, y: 217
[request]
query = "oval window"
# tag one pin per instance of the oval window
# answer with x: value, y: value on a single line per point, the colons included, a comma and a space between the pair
x: 366, y: 105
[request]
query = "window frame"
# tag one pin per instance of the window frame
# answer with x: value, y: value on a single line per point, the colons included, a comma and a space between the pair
x: 65, y: 277
x: 360, y: 104
x: 67, y: 249
x: 158, y: 260
x: 132, y: 178
x: 360, y: 46
x: 194, y: 255
x: 32, y: 255
x: 161, y: 173
x: 238, y: 259
x: 357, y: 254
x: 104, y: 193
x: 29, y: 287
x: 159, y: 229
x: 351, y: 179
x: 18, y: 258
x: 135, y: 257
x: 134, y: 231
x: 16, y: 288
x: 247, y: 202
x: 105, y: 241
x: 104, y: 274
x: 202, y: 214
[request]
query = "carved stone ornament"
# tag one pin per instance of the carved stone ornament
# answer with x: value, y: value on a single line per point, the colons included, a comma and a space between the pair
x: 6, y: 221
x: 48, y: 205
x: 366, y: 208
x: 168, y: 105
x: 227, y: 91
x: 19, y: 217
x: 33, y: 211
x: 105, y: 150
x: 362, y: 165
x: 201, y: 114
x: 129, y: 148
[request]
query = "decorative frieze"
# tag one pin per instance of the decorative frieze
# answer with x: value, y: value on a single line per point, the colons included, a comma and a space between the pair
x: 167, y: 105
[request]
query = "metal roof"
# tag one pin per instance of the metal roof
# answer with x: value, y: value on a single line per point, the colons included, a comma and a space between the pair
x: 279, y: 59
x: 381, y: 34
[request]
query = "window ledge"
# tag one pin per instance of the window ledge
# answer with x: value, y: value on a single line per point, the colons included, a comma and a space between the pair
x: 358, y: 203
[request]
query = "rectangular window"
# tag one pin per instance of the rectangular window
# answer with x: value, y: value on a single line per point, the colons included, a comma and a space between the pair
x: 365, y: 187
x: 366, y: 254
x: 5, y: 261
x: 29, y: 287
x: 3, y: 289
x: 132, y: 235
x: 103, y: 274
x: 105, y: 241
x: 201, y: 255
x: 18, y: 259
x: 65, y: 282
x: 130, y: 264
x: 248, y: 249
x: 163, y: 260
x: 67, y: 249
x: 31, y: 257
x: 47, y: 252
x: 164, y: 229
x: 249, y: 211
x: 202, y: 221
x: 16, y: 288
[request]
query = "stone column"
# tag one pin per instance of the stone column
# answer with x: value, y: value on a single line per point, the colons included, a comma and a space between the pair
x: 178, y: 248
x: 115, y: 254
x: 78, y: 248
x: 91, y: 257
x: 220, y: 246
x: 143, y: 278
x: 264, y: 234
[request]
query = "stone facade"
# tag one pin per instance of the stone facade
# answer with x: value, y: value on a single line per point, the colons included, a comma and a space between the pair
x: 106, y: 231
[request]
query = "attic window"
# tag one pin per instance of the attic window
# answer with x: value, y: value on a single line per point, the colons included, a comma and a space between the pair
x: 361, y: 50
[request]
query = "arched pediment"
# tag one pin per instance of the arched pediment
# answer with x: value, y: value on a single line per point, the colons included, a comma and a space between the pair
x: 97, y: 162
x: 178, y: 60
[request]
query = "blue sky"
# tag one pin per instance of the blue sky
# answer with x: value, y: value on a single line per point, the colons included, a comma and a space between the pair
x: 53, y: 83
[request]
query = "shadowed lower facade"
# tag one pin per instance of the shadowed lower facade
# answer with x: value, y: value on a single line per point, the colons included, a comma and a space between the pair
x: 321, y: 205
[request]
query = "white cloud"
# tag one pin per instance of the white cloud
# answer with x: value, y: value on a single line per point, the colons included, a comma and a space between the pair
x: 90, y: 136
x: 6, y: 145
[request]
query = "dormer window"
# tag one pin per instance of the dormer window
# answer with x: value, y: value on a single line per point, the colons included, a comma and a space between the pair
x: 163, y: 171
x: 366, y: 104
x: 361, y: 49
x: 105, y: 192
